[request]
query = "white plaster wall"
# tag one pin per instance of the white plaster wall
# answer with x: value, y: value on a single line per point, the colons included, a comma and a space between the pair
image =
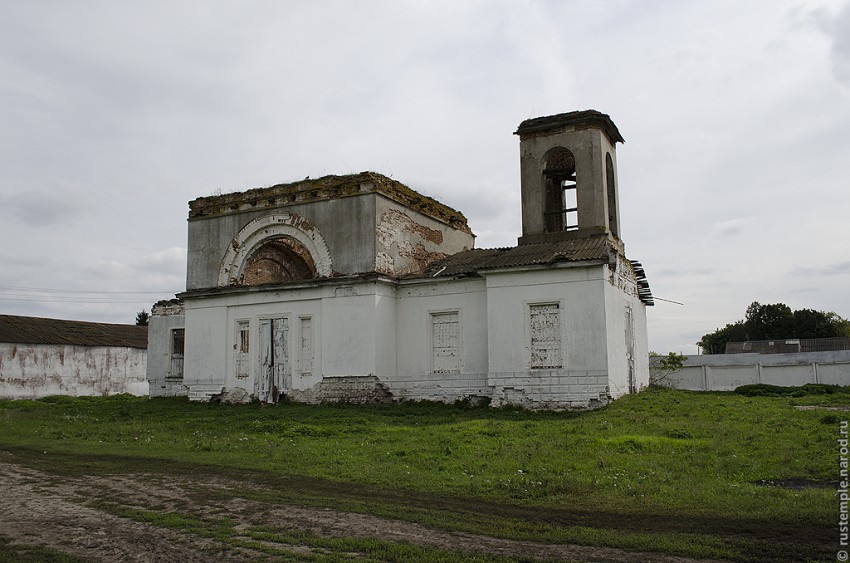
x: 691, y: 378
x: 205, y: 353
x: 353, y: 333
x: 377, y: 329
x: 31, y: 371
x: 615, y: 317
x: 159, y: 354
x: 787, y: 375
x: 724, y: 372
x: 580, y: 291
x: 641, y: 344
x: 834, y: 374
x: 618, y: 374
x: 258, y: 306
x: 386, y: 330
x: 727, y: 378
x: 349, y: 344
x: 416, y: 303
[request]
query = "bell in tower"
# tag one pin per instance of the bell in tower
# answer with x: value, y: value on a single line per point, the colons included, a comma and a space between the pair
x: 568, y: 177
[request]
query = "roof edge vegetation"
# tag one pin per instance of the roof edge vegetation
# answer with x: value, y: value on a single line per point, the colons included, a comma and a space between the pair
x: 326, y: 188
x: 576, y: 119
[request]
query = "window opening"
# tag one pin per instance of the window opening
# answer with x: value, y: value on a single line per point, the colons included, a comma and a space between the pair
x: 306, y: 346
x: 545, y: 325
x: 178, y: 339
x: 612, y: 194
x: 445, y: 342
x: 561, y: 207
x: 243, y: 335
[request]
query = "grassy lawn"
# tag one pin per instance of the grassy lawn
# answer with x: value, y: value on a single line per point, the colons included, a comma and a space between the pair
x: 665, y: 471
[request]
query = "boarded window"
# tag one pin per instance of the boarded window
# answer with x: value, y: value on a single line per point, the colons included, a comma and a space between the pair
x: 545, y: 325
x: 306, y: 346
x: 243, y: 341
x: 445, y: 338
x: 178, y: 338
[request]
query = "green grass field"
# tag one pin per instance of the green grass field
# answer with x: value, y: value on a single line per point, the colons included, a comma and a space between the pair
x: 663, y: 471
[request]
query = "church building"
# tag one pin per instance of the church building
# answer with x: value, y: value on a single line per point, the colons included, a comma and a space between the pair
x: 357, y: 288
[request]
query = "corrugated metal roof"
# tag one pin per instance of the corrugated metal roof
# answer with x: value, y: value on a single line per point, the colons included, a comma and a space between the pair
x: 470, y: 261
x: 38, y: 330
x: 572, y: 250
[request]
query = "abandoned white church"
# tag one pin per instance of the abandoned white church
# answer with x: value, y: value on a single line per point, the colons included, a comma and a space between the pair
x: 357, y: 288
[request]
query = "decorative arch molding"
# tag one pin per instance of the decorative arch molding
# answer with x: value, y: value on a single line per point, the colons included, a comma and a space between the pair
x: 264, y: 229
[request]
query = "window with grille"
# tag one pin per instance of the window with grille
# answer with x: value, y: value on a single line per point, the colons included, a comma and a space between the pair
x: 243, y: 344
x: 178, y: 338
x: 545, y: 328
x: 445, y: 342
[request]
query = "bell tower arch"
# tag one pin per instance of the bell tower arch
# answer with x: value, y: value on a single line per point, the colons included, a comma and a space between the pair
x: 568, y: 169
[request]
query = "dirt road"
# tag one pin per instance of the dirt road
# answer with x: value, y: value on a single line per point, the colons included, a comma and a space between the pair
x: 73, y: 515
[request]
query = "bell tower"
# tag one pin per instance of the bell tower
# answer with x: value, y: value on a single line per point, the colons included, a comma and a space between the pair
x: 568, y: 177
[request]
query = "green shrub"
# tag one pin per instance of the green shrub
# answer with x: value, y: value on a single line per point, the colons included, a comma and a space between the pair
x: 766, y: 390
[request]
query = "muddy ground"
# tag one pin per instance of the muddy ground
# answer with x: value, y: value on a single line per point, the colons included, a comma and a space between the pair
x: 67, y: 514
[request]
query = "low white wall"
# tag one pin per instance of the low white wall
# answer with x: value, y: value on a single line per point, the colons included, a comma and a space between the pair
x: 725, y: 372
x: 32, y: 371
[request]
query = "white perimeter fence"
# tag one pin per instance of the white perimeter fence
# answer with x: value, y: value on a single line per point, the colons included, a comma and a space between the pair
x: 725, y: 372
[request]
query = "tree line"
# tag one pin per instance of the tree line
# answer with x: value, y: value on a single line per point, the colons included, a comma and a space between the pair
x: 775, y: 322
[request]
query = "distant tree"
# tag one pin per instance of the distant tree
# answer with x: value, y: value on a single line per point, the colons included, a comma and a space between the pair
x: 818, y: 324
x: 664, y: 367
x: 715, y: 342
x: 774, y: 322
x: 764, y: 322
x: 142, y: 318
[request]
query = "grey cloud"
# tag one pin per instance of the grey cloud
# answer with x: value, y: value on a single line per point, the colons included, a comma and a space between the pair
x: 688, y: 272
x: 837, y: 269
x: 42, y: 207
x: 731, y: 227
x: 837, y: 28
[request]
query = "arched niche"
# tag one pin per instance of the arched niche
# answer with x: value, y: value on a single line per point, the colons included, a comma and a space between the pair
x: 613, y: 222
x: 277, y: 261
x: 275, y: 249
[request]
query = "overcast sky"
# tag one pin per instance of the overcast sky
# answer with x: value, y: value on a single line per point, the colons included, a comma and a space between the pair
x: 733, y: 179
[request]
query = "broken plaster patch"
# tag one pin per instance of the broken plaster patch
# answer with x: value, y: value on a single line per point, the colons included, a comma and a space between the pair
x: 402, y: 244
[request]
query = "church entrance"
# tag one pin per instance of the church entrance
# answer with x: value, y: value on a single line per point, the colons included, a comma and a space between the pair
x: 274, y: 360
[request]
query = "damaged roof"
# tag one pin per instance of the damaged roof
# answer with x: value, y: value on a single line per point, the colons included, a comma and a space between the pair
x: 576, y: 119
x: 470, y: 261
x: 590, y: 249
x: 325, y: 188
x: 38, y: 330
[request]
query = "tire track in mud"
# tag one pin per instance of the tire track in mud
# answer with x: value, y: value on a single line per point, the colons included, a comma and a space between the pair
x: 60, y: 512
